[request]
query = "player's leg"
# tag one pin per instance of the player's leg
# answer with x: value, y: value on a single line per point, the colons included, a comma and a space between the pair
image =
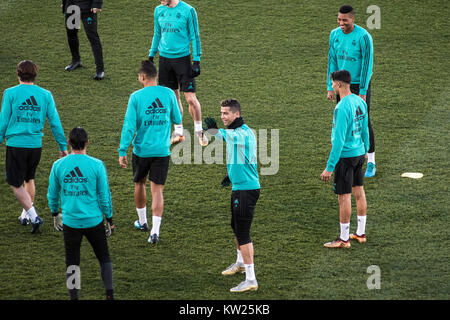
x: 74, y: 45
x: 72, y: 244
x: 361, y: 203
x: 371, y: 166
x: 97, y: 238
x: 196, y: 114
x: 140, y: 172
x: 90, y: 23
x: 178, y: 134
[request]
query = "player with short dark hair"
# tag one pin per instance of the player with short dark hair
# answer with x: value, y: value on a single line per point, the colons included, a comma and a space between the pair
x: 351, y: 49
x: 243, y: 175
x: 25, y: 109
x: 150, y: 114
x: 78, y: 184
x: 350, y: 143
x: 176, y: 28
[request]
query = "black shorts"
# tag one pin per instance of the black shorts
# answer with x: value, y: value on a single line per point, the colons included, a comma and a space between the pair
x: 21, y: 164
x: 155, y: 167
x: 176, y: 72
x: 348, y: 173
x: 243, y: 204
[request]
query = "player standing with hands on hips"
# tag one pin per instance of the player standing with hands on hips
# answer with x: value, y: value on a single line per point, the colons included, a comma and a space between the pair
x: 78, y: 184
x: 351, y: 49
x: 25, y: 108
x: 350, y: 143
x: 176, y: 28
x: 243, y: 175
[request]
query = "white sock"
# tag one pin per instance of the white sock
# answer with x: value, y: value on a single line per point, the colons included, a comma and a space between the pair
x: 345, y: 234
x: 156, y: 223
x: 178, y: 129
x: 198, y: 126
x: 142, y: 213
x: 361, y: 230
x: 23, y: 215
x: 239, y: 258
x: 371, y: 157
x: 32, y: 214
x: 249, y: 271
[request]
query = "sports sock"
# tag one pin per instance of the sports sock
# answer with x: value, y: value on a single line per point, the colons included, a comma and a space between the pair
x: 198, y: 126
x: 156, y: 223
x: 32, y: 214
x: 178, y: 129
x: 239, y: 258
x: 345, y: 234
x: 142, y: 213
x: 371, y: 157
x: 361, y: 229
x: 249, y: 272
x: 24, y: 214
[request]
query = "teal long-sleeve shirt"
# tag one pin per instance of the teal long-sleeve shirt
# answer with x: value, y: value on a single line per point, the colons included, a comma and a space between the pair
x: 78, y: 183
x: 352, y: 52
x: 150, y: 113
x: 350, y: 133
x: 241, y: 157
x: 175, y: 29
x: 25, y: 108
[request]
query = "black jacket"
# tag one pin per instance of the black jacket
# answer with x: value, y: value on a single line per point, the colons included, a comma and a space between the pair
x: 85, y: 5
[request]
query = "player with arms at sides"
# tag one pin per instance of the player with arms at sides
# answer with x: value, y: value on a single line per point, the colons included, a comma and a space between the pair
x: 78, y: 184
x: 25, y: 109
x: 150, y: 114
x: 350, y: 143
x: 175, y: 29
x: 243, y: 175
x: 351, y: 49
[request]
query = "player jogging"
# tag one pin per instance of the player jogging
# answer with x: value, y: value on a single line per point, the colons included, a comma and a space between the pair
x: 150, y: 114
x: 78, y: 184
x: 24, y: 110
x: 350, y: 143
x: 243, y: 175
x: 351, y: 49
x: 176, y: 28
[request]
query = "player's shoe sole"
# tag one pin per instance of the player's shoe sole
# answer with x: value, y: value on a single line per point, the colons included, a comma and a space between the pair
x: 233, y: 269
x: 360, y: 239
x: 338, y: 243
x: 176, y: 138
x: 244, y: 286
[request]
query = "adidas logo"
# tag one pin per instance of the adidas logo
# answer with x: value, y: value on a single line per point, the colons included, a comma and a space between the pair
x: 359, y: 114
x: 75, y: 176
x: 155, y: 107
x: 30, y: 105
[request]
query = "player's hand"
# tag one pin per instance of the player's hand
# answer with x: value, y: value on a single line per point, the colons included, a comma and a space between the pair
x: 123, y: 161
x: 363, y: 96
x: 57, y: 221
x: 151, y: 59
x: 62, y: 154
x: 196, y: 69
x: 109, y: 227
x: 226, y: 182
x: 330, y: 95
x: 326, y: 175
x: 95, y: 10
x: 211, y: 125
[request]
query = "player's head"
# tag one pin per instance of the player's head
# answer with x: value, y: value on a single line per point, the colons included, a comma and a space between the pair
x: 78, y: 138
x: 340, y: 79
x: 346, y: 18
x: 147, y: 71
x: 168, y: 3
x: 27, y: 71
x: 229, y: 111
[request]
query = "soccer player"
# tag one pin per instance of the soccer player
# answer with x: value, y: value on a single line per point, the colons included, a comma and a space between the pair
x: 88, y: 10
x: 150, y: 114
x: 176, y: 27
x: 79, y: 185
x: 350, y: 143
x: 243, y: 175
x: 351, y: 49
x: 25, y: 108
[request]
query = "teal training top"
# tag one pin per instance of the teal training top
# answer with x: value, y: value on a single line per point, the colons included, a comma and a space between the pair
x: 79, y: 184
x: 150, y: 113
x: 352, y: 52
x: 241, y: 157
x: 24, y: 111
x: 350, y: 133
x: 175, y: 29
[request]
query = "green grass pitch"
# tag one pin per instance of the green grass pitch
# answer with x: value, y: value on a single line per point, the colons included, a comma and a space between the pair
x: 271, y: 55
